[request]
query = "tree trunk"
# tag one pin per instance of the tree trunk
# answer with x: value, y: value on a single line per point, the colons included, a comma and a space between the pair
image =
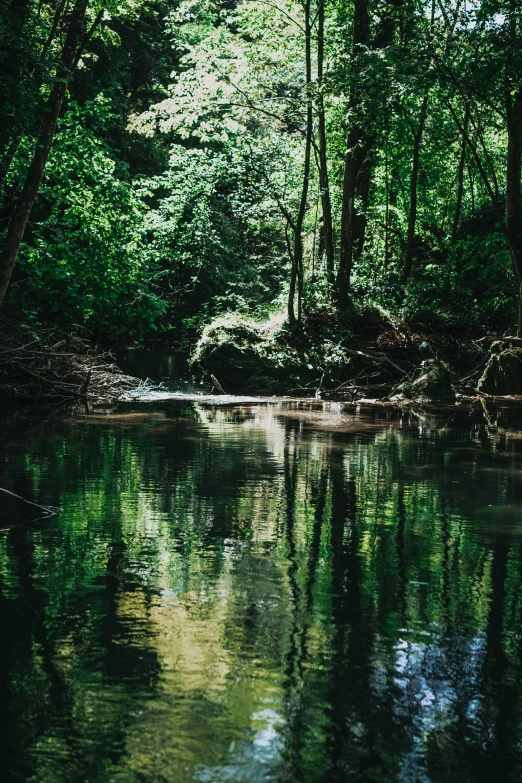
x: 460, y: 181
x: 514, y: 196
x: 25, y: 202
x: 362, y: 191
x: 324, y: 182
x: 513, y: 106
x: 358, y: 160
x: 296, y: 274
x: 412, y: 216
x: 354, y: 157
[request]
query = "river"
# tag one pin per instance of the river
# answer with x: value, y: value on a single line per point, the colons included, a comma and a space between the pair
x: 261, y: 591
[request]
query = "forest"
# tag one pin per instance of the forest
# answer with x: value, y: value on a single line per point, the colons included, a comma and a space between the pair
x: 262, y: 173
x: 293, y: 554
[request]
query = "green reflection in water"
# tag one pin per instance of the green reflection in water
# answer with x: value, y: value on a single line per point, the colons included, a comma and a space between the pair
x: 264, y: 593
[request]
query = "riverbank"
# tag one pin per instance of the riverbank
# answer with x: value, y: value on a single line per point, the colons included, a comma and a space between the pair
x: 370, y: 354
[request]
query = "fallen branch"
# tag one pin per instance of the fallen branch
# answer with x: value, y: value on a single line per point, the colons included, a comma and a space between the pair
x: 375, y: 358
x: 54, y: 368
x: 217, y: 384
x: 48, y: 509
x: 490, y: 339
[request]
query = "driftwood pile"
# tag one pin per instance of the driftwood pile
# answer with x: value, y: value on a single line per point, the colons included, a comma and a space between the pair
x: 388, y: 352
x: 47, y: 365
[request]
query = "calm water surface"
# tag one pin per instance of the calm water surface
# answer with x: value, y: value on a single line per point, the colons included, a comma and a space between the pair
x: 251, y: 593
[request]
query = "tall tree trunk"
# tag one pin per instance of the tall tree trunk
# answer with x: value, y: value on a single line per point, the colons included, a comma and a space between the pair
x: 513, y: 197
x: 513, y: 106
x: 388, y: 16
x: 358, y: 162
x: 324, y: 181
x: 362, y: 191
x: 296, y: 274
x: 25, y: 202
x: 460, y: 181
x: 354, y: 157
x: 409, y: 251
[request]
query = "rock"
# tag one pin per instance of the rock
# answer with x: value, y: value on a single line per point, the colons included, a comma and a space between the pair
x: 432, y: 381
x: 248, y: 355
x: 503, y: 373
x: 265, y: 356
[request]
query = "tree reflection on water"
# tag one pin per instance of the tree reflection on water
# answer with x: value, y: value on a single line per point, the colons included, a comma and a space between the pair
x: 261, y: 593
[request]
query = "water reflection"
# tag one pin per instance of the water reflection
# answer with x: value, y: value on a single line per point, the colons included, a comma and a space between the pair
x: 261, y: 593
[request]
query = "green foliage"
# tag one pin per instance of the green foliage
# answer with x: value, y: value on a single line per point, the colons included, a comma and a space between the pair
x: 177, y: 171
x: 86, y: 262
x: 264, y: 356
x: 205, y: 228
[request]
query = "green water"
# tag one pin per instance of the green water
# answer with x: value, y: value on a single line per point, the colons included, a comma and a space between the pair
x: 253, y: 593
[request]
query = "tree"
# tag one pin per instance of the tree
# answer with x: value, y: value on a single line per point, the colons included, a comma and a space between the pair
x: 355, y: 177
x: 75, y: 39
x: 296, y: 272
x: 368, y: 87
x: 324, y: 177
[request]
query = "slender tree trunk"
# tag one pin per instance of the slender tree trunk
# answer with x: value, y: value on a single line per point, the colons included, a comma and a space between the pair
x: 25, y: 202
x: 296, y: 274
x: 324, y: 181
x: 513, y: 106
x: 388, y: 13
x: 387, y: 216
x: 458, y: 203
x: 362, y: 192
x: 514, y: 195
x: 409, y: 251
x: 471, y: 186
x: 390, y: 202
x: 460, y: 181
x: 354, y: 157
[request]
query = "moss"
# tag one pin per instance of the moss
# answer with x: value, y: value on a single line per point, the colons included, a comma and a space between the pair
x: 265, y: 356
x: 503, y: 373
x: 432, y: 381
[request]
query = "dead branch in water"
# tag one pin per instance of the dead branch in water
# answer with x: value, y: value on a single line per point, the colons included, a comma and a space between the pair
x: 217, y: 385
x: 48, y: 509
